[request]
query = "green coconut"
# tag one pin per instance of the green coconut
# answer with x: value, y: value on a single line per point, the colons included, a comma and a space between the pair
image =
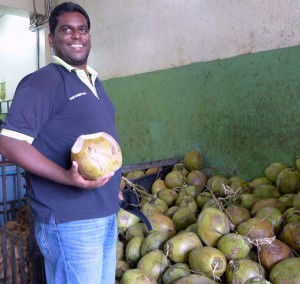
x: 234, y: 246
x: 212, y: 203
x: 240, y: 270
x: 175, y: 272
x: 268, y: 202
x: 174, y: 179
x: 187, y: 201
x: 192, y: 228
x: 217, y: 183
x: 154, y: 263
x: 208, y: 260
x: 120, y: 250
x: 247, y: 200
x: 240, y: 187
x: 121, y: 267
x: 136, y: 230
x: 125, y: 220
x: 137, y: 276
x: 193, y: 160
x: 160, y: 223
x: 257, y: 280
x: 179, y: 247
x: 288, y: 199
x: 181, y: 168
x: 256, y: 228
x: 133, y: 250
x: 296, y: 200
x: 135, y: 174
x: 190, y: 190
x: 151, y: 205
x: 184, y: 217
x: 171, y: 211
x: 290, y: 235
x: 153, y: 170
x: 266, y: 191
x: 259, y: 181
x: 286, y: 271
x: 97, y: 154
x: 237, y: 214
x: 288, y: 181
x: 274, y: 169
x: 195, y: 279
x: 157, y: 186
x: 212, y: 225
x: 155, y: 240
x: 271, y: 214
x: 197, y: 178
x: 291, y: 215
x: 168, y: 195
x: 202, y: 198
x: 236, y: 179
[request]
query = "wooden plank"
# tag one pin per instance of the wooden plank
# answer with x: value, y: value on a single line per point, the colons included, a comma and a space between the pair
x: 150, y: 164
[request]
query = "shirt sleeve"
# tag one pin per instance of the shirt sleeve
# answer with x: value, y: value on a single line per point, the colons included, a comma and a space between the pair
x: 30, y: 111
x: 17, y: 135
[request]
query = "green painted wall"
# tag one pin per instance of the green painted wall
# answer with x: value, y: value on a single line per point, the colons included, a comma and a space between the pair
x: 242, y: 113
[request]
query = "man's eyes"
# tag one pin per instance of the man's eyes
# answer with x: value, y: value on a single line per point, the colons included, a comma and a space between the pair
x: 70, y: 30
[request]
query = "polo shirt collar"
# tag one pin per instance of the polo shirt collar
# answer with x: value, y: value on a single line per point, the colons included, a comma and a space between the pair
x: 70, y: 68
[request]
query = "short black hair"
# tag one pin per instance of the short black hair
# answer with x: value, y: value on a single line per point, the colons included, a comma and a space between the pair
x: 66, y: 7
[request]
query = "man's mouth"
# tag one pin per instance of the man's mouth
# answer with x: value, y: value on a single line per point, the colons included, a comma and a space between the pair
x: 77, y: 45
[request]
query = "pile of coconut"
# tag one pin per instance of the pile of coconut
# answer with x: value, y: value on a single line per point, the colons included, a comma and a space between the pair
x: 217, y: 229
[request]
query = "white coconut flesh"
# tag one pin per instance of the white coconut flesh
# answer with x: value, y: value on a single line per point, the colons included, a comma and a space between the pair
x: 97, y: 154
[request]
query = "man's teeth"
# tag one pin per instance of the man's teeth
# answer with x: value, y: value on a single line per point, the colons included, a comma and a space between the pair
x: 76, y: 45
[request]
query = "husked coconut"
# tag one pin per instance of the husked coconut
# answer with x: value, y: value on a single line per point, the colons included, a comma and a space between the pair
x: 96, y: 154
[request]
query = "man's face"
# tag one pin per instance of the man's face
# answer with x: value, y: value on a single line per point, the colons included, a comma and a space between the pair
x: 71, y: 40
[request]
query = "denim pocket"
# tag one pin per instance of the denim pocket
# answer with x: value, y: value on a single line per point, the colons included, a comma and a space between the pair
x: 42, y: 240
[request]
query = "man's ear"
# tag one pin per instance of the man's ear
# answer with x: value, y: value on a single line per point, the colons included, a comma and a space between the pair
x: 51, y: 40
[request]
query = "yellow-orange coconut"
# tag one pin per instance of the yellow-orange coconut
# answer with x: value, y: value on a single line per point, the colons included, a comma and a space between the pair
x: 97, y: 154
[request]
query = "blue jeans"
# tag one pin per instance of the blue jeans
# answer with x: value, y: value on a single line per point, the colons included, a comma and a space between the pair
x: 79, y: 252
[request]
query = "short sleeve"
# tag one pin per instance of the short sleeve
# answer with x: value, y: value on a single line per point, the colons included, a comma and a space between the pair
x: 30, y: 111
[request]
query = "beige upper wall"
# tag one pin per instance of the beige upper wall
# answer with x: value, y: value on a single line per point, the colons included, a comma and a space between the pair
x: 134, y: 36
x: 22, y: 7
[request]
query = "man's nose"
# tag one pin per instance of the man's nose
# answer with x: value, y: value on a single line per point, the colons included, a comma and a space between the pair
x: 76, y: 33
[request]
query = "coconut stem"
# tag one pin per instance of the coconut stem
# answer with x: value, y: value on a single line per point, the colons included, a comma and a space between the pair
x: 138, y: 189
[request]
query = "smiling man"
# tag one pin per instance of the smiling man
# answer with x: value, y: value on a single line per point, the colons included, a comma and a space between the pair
x: 75, y: 218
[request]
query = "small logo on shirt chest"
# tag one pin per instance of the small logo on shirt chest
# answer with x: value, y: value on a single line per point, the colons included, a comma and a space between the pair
x: 77, y: 95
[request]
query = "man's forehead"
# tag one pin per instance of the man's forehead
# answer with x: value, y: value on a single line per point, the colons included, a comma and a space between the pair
x: 72, y: 18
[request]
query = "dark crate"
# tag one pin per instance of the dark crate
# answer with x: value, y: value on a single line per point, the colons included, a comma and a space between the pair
x: 147, y: 181
x: 14, y: 265
x: 24, y: 263
x: 13, y: 185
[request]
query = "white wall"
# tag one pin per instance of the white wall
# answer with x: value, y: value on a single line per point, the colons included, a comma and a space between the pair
x: 134, y: 36
x: 18, y: 51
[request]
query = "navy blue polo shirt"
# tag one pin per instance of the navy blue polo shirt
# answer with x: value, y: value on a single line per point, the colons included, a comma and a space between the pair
x: 54, y: 106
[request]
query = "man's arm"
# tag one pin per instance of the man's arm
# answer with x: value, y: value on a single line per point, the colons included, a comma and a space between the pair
x: 29, y: 158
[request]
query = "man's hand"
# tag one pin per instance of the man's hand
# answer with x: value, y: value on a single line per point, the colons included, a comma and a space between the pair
x: 30, y: 159
x: 80, y: 181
